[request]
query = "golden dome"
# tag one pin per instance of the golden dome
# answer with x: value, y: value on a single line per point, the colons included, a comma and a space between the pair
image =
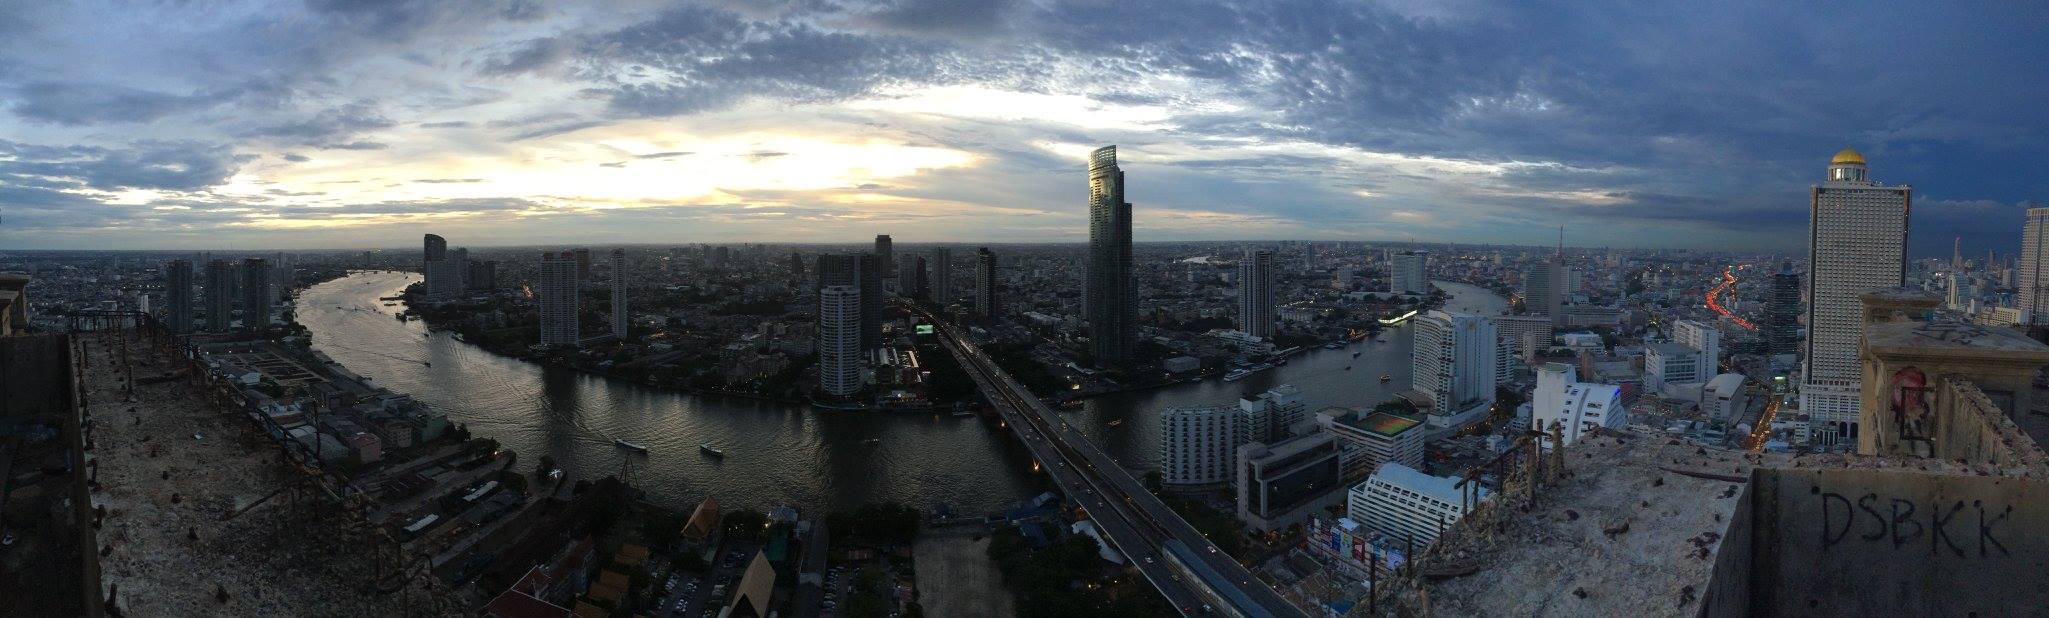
x: 1848, y: 156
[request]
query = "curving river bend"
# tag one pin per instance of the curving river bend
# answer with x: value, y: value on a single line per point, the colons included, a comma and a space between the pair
x: 775, y: 453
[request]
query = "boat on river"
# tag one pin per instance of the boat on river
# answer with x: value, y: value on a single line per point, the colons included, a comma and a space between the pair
x: 707, y: 449
x: 622, y: 443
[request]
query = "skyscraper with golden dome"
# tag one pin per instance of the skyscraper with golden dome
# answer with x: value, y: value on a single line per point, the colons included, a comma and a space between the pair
x: 1857, y: 242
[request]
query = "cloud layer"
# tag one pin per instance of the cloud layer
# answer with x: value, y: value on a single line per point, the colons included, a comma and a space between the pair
x: 343, y: 123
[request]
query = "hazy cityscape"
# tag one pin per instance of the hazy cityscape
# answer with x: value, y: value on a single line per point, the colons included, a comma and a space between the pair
x: 1093, y: 362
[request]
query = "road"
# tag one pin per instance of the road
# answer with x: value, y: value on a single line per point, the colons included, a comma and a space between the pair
x: 1136, y: 521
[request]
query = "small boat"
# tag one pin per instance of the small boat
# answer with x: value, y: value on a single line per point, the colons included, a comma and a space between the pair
x: 427, y: 363
x: 1386, y: 378
x: 1116, y: 422
x: 1332, y: 345
x: 1348, y: 367
x: 555, y: 474
x: 708, y: 450
x: 1236, y: 375
x: 872, y: 441
x: 621, y: 443
x: 1356, y: 354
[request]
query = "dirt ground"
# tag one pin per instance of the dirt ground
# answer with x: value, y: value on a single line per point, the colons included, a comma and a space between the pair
x: 956, y: 576
x: 172, y: 464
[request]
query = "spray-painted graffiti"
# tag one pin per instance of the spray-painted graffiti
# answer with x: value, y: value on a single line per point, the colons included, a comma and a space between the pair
x: 1959, y: 528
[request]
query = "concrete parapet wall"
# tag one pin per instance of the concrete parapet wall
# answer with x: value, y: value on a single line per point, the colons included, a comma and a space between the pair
x: 1838, y: 542
x: 34, y: 375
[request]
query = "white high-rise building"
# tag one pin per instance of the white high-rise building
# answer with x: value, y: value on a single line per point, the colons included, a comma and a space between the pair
x: 1857, y: 243
x: 1706, y: 342
x: 1408, y: 505
x: 621, y: 317
x: 1198, y: 445
x: 2033, y: 278
x: 839, y: 339
x: 1452, y: 361
x: 556, y: 298
x: 1256, y: 294
x: 1273, y: 415
x: 1408, y: 273
x: 1371, y: 439
x: 1562, y: 401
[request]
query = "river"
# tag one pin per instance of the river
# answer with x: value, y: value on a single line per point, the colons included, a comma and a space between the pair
x: 775, y: 453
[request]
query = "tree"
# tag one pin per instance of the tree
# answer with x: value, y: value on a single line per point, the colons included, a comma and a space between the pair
x: 745, y: 523
x: 1397, y: 406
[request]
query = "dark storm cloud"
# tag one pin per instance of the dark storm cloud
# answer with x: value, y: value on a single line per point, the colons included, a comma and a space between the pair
x: 83, y: 104
x: 172, y: 166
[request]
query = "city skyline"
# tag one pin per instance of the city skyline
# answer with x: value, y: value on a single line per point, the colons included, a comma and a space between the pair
x: 522, y: 125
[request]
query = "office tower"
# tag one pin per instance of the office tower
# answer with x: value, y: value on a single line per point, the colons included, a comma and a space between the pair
x: 942, y: 276
x: 459, y: 270
x: 1781, y: 327
x: 1256, y: 293
x: 985, y: 283
x: 887, y: 253
x: 434, y: 248
x: 872, y: 299
x: 482, y: 276
x: 583, y: 265
x: 621, y: 317
x: 1409, y: 273
x: 1273, y: 415
x: 839, y: 340
x: 256, y: 294
x: 1198, y: 444
x: 220, y: 299
x: 1560, y: 401
x: 1408, y: 506
x: 1545, y: 287
x: 1526, y: 334
x: 1857, y: 243
x: 178, y: 295
x: 1452, y: 361
x: 863, y: 272
x: 1956, y: 255
x: 1109, y: 301
x: 556, y: 299
x: 1706, y: 343
x: 910, y: 276
x: 2032, y: 296
x: 442, y: 268
x: 1280, y: 484
x: 796, y: 268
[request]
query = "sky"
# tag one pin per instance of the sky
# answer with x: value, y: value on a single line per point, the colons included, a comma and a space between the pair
x: 358, y: 123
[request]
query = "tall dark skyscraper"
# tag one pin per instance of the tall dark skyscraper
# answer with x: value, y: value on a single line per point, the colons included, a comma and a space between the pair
x: 942, y: 276
x: 256, y: 294
x: 985, y: 283
x: 863, y: 272
x: 886, y: 250
x: 483, y: 275
x: 1109, y: 300
x: 178, y: 295
x: 1781, y: 327
x: 220, y: 295
x: 1256, y: 293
